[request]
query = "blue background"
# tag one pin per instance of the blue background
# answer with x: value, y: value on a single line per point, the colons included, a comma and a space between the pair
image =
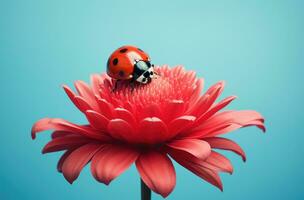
x: 256, y: 46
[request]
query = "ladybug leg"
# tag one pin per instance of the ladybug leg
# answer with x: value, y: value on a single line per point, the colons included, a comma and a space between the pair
x: 155, y: 74
x: 132, y: 84
x: 115, y: 85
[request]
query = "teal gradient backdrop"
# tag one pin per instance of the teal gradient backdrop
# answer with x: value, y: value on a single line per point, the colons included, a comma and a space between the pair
x: 256, y: 46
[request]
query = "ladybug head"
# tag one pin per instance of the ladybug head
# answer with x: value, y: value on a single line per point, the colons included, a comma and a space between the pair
x: 146, y: 77
x: 143, y: 71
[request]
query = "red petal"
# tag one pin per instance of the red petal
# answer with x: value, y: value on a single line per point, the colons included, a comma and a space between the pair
x: 74, y: 163
x: 126, y: 115
x: 63, y: 125
x: 239, y: 117
x: 226, y: 144
x: 97, y: 120
x: 83, y: 104
x: 235, y: 126
x: 62, y: 159
x: 197, y: 91
x: 199, y: 106
x: 96, y: 80
x: 63, y: 143
x: 198, y: 148
x: 72, y: 96
x: 228, y: 121
x: 121, y: 129
x: 157, y: 171
x: 214, y: 109
x: 174, y: 109
x: 220, y: 162
x: 152, y: 130
x: 112, y: 160
x: 198, y: 167
x: 86, y: 92
x: 180, y: 124
x: 57, y: 134
x: 106, y: 108
x: 257, y: 123
x: 207, y: 99
x: 152, y: 110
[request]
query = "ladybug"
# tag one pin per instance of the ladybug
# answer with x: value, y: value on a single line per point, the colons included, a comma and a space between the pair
x: 130, y: 63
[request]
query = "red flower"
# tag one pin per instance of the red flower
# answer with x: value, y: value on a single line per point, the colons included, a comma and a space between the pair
x: 146, y: 124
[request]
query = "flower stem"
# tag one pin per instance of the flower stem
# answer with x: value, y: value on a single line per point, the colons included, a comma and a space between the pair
x: 145, y: 191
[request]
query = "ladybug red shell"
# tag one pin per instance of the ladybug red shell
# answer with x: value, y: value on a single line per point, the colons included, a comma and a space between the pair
x: 130, y: 62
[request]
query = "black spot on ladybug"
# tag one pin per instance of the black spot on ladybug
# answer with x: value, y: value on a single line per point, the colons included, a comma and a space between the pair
x: 121, y: 73
x: 115, y: 61
x: 144, y: 79
x: 124, y: 50
x: 151, y: 73
x: 140, y: 50
x: 146, y: 74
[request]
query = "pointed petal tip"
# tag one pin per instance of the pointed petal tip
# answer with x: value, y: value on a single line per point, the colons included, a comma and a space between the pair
x: 106, y: 182
x: 221, y: 83
x: 39, y: 126
x: 165, y: 195
x: 33, y: 135
x: 64, y: 86
x: 70, y: 181
x: 233, y: 97
x: 219, y: 185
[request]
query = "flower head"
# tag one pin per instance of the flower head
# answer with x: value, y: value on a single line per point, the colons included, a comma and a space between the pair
x: 144, y: 125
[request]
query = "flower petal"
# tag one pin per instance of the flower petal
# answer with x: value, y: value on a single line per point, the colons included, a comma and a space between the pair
x: 84, y: 90
x: 63, y: 125
x: 63, y: 158
x: 152, y: 110
x: 96, y: 80
x: 199, y: 106
x: 97, y: 121
x: 106, y: 108
x: 220, y: 162
x: 174, y: 109
x: 239, y: 117
x: 152, y: 130
x: 157, y: 171
x: 72, y: 96
x: 120, y: 129
x: 74, y: 163
x: 195, y: 94
x: 226, y: 144
x: 206, y: 101
x: 226, y: 122
x: 63, y: 143
x: 198, y: 167
x: 214, y: 109
x: 126, y: 115
x: 198, y: 148
x: 83, y: 104
x: 112, y: 160
x: 235, y: 126
x: 180, y: 124
x: 57, y: 134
